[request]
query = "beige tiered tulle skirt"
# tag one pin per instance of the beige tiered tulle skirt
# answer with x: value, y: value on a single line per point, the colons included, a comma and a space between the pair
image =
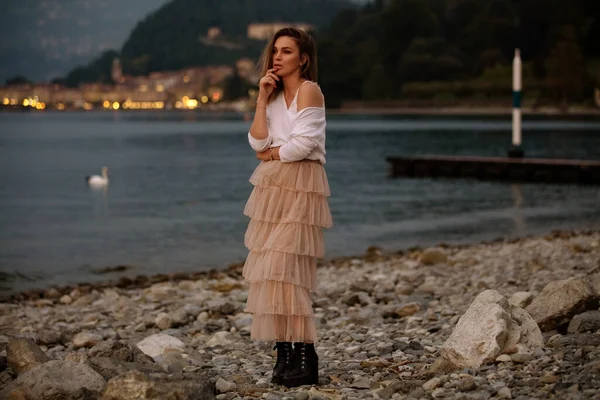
x: 288, y: 210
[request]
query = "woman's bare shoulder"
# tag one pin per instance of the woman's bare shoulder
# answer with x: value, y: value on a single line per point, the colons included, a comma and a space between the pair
x: 310, y: 95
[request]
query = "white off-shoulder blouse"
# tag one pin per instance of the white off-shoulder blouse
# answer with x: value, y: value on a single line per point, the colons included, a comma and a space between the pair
x: 299, y: 135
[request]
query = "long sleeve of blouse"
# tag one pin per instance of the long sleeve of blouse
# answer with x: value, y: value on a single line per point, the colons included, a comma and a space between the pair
x: 259, y: 144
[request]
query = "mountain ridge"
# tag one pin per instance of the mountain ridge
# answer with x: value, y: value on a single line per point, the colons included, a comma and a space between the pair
x: 43, y: 39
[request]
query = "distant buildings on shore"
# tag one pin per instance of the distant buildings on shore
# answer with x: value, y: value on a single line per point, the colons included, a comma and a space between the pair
x: 265, y: 31
x: 188, y: 88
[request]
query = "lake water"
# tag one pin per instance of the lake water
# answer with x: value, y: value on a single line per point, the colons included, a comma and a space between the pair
x: 179, y: 182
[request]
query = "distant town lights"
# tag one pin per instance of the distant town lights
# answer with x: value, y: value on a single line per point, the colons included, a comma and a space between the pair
x: 115, y: 105
x: 191, y: 103
x: 106, y: 104
x: 204, y: 99
x: 6, y: 101
x: 143, y: 105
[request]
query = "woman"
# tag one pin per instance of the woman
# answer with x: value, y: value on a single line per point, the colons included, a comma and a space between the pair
x: 288, y: 205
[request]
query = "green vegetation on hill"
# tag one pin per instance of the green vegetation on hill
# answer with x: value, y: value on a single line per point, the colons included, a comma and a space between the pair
x: 97, y: 71
x: 174, y: 36
x: 170, y: 37
x: 452, y: 49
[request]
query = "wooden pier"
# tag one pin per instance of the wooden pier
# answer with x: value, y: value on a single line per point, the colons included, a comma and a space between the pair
x: 543, y: 170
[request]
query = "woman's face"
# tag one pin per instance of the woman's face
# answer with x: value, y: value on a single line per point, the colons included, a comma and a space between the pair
x: 286, y: 56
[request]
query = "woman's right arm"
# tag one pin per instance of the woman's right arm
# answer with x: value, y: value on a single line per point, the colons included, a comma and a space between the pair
x: 259, y: 131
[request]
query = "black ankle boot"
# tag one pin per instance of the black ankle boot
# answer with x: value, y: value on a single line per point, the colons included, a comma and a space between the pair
x: 284, y: 361
x: 305, y: 366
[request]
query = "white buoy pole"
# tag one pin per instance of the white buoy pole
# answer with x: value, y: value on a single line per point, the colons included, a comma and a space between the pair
x: 516, y: 150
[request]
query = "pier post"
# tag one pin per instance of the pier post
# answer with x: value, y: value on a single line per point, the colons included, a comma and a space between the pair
x: 515, y: 150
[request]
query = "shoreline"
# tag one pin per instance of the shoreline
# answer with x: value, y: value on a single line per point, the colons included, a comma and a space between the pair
x: 234, y: 270
x: 385, y: 323
x: 467, y: 111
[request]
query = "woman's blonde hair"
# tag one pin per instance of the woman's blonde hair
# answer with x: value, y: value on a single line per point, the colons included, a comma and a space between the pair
x: 306, y: 45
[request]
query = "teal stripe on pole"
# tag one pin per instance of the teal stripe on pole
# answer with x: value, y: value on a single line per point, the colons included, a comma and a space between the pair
x: 517, y: 99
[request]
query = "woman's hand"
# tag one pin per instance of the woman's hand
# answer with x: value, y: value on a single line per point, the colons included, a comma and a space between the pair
x: 268, y: 83
x: 269, y: 155
x: 264, y: 155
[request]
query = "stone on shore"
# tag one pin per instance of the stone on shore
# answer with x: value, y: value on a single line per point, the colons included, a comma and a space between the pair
x: 221, y: 306
x: 219, y: 339
x: 433, y: 256
x: 224, y: 386
x: 86, y: 339
x: 156, y: 345
x: 135, y: 385
x: 559, y: 301
x: 520, y: 299
x: 110, y: 367
x: 163, y: 321
x: 56, y: 380
x: 489, y: 328
x: 23, y: 354
x: 588, y: 321
x: 120, y: 350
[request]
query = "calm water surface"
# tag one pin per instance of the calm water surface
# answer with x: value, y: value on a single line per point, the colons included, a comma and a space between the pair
x: 179, y: 182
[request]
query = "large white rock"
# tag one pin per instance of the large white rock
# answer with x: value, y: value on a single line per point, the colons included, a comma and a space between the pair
x: 156, y: 345
x: 524, y: 335
x: 490, y: 327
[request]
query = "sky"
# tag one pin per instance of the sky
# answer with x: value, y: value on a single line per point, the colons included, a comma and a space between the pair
x: 43, y: 39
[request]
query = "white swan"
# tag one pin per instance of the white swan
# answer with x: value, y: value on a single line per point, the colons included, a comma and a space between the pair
x: 98, y: 181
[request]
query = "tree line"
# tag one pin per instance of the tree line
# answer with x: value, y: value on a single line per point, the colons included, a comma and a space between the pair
x: 452, y: 49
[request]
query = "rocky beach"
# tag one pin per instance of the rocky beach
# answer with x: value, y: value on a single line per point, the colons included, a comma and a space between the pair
x: 505, y: 319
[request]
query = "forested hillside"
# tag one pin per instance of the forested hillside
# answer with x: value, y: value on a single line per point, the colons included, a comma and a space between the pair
x: 427, y: 49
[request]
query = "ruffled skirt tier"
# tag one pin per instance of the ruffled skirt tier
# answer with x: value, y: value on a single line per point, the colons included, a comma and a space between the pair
x: 288, y: 210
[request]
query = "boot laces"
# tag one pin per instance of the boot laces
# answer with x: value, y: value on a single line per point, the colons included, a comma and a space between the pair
x: 283, y: 353
x: 303, y: 358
